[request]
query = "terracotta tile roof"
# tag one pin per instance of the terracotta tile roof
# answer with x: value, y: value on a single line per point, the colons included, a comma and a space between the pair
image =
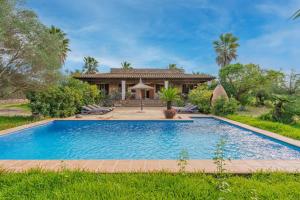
x: 146, y: 70
x: 146, y: 73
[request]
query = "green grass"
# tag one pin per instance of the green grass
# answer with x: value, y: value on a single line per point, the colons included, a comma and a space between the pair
x: 292, y: 131
x: 24, y: 106
x: 13, y: 121
x: 254, y: 111
x: 85, y: 185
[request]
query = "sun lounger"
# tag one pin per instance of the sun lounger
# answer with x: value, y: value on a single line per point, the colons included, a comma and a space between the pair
x: 100, y: 107
x: 187, y: 109
x: 89, y: 110
x: 191, y: 109
x: 182, y: 108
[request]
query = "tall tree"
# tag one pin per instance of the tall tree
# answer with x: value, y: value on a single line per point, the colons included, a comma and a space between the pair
x: 90, y: 65
x: 29, y: 54
x: 64, y: 42
x: 226, y: 49
x: 240, y: 80
x: 126, y: 65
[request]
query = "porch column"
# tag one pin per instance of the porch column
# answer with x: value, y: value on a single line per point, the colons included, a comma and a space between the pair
x: 166, y: 84
x: 123, y: 89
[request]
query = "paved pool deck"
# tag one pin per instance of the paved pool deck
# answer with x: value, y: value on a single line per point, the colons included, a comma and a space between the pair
x: 117, y: 166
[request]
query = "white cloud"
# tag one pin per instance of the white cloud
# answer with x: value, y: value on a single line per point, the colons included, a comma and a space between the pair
x: 282, y: 9
x: 277, y: 49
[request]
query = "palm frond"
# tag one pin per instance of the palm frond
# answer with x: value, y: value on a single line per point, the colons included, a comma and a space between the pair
x: 296, y: 14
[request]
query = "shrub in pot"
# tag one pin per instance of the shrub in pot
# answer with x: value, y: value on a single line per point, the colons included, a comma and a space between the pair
x: 169, y: 95
x: 170, y: 113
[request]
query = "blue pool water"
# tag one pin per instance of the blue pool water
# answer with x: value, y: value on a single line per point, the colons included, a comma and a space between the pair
x: 140, y: 140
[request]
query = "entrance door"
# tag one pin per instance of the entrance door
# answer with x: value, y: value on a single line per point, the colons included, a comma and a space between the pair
x: 147, y: 94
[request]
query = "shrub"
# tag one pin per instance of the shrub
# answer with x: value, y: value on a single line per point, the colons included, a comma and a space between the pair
x: 179, y: 102
x: 116, y: 95
x: 285, y: 110
x: 64, y: 99
x: 201, y: 97
x: 224, y: 107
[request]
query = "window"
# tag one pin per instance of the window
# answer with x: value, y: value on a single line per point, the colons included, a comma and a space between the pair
x: 104, y: 88
x: 187, y: 87
x: 158, y: 87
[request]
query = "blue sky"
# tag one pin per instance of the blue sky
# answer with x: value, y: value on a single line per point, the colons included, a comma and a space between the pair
x: 154, y: 33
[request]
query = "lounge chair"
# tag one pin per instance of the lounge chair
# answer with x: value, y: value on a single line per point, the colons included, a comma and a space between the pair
x: 187, y: 109
x: 105, y: 108
x: 182, y: 108
x: 88, y: 110
x: 191, y: 109
x: 99, y: 108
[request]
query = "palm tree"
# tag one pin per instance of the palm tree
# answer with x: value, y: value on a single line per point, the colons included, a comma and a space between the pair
x: 226, y: 49
x: 173, y: 66
x: 296, y: 14
x: 169, y: 95
x: 90, y: 65
x: 65, y: 42
x: 126, y: 65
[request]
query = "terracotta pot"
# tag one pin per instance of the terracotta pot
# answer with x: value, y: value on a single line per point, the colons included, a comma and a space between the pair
x: 170, y: 113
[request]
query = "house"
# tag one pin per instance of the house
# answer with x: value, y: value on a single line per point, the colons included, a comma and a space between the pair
x: 121, y: 80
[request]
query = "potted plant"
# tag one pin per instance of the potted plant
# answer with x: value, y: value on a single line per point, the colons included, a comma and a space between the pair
x: 169, y: 95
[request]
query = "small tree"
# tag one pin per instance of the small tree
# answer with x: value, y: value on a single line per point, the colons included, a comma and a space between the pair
x: 220, y: 162
x: 169, y: 95
x: 182, y: 161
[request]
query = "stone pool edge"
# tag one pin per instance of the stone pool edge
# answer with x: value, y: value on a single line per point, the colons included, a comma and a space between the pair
x: 26, y: 126
x: 145, y: 166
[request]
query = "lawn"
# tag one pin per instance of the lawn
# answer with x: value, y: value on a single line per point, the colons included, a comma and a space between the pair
x: 85, y: 185
x: 13, y: 121
x: 292, y: 131
x: 24, y: 106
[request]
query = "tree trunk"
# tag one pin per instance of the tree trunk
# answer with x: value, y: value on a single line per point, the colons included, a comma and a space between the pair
x: 169, y: 105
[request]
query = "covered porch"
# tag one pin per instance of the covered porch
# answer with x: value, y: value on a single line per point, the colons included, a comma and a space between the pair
x: 123, y: 87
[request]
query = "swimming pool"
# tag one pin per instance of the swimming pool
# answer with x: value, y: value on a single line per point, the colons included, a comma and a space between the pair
x: 84, y: 139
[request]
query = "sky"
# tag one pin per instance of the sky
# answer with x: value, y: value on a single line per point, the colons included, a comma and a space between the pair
x: 155, y: 33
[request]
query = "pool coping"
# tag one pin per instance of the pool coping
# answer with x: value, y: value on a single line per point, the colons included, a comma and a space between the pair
x: 145, y: 166
x: 117, y: 166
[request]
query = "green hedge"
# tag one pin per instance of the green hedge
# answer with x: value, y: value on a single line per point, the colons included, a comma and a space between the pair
x: 63, y: 100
